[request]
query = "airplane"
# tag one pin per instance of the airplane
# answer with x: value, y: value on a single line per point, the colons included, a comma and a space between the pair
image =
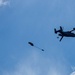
x: 64, y: 33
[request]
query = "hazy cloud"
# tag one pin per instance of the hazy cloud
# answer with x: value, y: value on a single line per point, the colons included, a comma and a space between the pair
x: 4, y: 2
x: 73, y: 73
x: 73, y: 68
x: 35, y: 64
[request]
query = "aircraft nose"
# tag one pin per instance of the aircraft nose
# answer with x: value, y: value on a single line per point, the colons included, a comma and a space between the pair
x: 73, y: 28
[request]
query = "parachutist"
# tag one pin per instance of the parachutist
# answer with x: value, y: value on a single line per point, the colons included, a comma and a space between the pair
x: 31, y: 43
x: 35, y: 46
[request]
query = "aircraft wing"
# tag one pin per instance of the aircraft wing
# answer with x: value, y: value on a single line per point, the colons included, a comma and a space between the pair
x: 72, y: 30
x: 61, y: 38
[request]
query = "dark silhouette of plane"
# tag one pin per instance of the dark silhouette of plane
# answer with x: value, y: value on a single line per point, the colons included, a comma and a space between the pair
x: 64, y: 33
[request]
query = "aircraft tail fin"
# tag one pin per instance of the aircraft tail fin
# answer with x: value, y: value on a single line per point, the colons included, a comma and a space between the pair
x: 55, y: 31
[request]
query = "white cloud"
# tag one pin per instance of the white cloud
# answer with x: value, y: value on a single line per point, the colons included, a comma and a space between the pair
x: 26, y: 67
x: 4, y: 2
x: 35, y: 64
x: 73, y: 73
x: 73, y: 68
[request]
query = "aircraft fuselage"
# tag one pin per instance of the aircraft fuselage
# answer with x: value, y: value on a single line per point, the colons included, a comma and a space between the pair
x: 67, y: 34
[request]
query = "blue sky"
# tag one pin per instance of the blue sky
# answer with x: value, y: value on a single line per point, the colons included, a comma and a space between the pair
x: 34, y: 20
